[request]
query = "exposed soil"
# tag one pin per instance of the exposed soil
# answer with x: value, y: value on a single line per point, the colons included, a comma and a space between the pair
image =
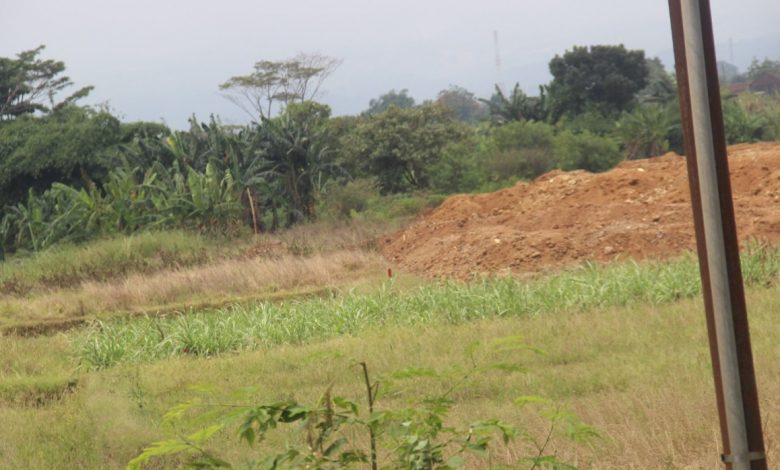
x: 641, y: 209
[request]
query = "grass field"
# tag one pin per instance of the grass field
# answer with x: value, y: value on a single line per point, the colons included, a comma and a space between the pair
x: 624, y: 347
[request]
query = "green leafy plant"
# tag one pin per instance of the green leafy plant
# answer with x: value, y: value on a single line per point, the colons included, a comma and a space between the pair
x: 416, y: 437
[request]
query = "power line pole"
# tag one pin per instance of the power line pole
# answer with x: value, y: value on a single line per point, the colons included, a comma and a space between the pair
x: 716, y: 235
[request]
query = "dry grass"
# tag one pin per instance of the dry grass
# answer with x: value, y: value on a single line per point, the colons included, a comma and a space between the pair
x: 217, y: 281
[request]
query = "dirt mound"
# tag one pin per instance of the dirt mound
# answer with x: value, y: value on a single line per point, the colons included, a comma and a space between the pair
x: 641, y: 209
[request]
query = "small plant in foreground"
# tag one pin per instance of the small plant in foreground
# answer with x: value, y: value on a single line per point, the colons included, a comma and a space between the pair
x: 417, y: 437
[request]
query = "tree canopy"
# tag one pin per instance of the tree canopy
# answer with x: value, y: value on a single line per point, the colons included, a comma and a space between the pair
x: 602, y: 78
x: 463, y: 103
x: 292, y: 80
x: 29, y: 84
x: 400, y: 145
x: 400, y: 99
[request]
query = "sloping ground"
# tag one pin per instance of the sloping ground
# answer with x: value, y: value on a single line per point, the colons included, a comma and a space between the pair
x: 641, y: 209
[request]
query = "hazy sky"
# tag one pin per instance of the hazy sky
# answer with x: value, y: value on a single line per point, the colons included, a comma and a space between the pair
x: 164, y: 59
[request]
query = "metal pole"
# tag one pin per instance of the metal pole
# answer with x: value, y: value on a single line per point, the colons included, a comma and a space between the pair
x: 713, y: 233
x: 716, y: 235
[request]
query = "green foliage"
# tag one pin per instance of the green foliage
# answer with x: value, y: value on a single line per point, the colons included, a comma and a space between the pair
x: 124, y: 204
x: 744, y: 125
x: 595, y: 122
x: 244, y: 327
x: 70, y: 265
x: 27, y: 80
x: 605, y: 79
x: 400, y: 99
x: 462, y: 103
x: 645, y: 132
x: 399, y: 146
x: 661, y: 86
x: 417, y: 437
x: 517, y: 106
x: 520, y: 149
x: 346, y: 200
x: 69, y: 146
x: 757, y: 68
x: 294, y: 80
x: 586, y: 151
x: 297, y: 160
x: 459, y: 169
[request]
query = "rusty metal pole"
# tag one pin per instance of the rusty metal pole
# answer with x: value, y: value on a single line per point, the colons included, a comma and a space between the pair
x: 716, y: 236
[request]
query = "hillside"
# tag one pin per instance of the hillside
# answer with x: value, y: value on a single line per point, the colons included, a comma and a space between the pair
x: 641, y: 209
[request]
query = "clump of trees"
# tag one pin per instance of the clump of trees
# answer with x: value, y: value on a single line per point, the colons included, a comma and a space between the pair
x: 70, y: 172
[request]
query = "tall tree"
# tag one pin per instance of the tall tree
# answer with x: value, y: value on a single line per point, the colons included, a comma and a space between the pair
x: 297, y: 158
x: 28, y: 83
x: 400, y: 146
x: 400, y: 99
x: 293, y: 80
x: 604, y: 79
x: 463, y: 103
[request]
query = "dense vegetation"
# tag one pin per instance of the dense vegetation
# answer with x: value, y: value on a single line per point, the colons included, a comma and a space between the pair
x: 72, y: 173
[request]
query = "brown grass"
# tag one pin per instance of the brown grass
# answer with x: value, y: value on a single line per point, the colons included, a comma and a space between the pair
x: 215, y: 282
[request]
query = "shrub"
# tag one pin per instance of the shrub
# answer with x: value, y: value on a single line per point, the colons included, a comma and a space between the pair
x: 458, y: 170
x: 645, y: 131
x: 520, y: 149
x: 586, y: 151
x: 343, y: 201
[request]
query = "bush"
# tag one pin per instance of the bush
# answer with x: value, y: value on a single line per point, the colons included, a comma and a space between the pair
x: 590, y: 121
x: 645, y: 132
x: 458, y: 170
x: 586, y: 151
x: 343, y: 201
x: 522, y: 134
x: 520, y: 149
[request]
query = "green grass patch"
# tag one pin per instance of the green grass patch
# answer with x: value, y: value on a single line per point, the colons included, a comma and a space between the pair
x: 34, y: 391
x: 68, y: 265
x: 262, y: 325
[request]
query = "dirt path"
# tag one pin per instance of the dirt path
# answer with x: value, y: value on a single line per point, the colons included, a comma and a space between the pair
x: 641, y: 209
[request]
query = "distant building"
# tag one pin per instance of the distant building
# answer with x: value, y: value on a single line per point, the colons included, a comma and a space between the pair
x: 766, y: 82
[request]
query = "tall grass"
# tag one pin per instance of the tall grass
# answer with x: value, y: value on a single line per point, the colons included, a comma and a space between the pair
x: 69, y: 265
x: 243, y: 327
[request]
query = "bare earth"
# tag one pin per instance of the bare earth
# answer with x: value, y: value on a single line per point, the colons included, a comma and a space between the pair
x: 641, y: 209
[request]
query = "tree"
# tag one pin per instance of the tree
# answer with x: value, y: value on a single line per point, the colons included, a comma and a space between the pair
x: 399, y: 146
x: 758, y: 68
x: 462, y: 102
x: 661, y: 87
x: 297, y: 159
x: 399, y: 99
x: 605, y: 79
x: 517, y: 106
x: 71, y: 145
x: 28, y: 81
x: 645, y: 131
x: 293, y: 80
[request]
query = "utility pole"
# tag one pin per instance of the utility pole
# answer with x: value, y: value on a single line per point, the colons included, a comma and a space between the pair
x: 716, y: 236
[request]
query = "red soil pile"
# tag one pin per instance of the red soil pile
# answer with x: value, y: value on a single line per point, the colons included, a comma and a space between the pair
x: 641, y: 209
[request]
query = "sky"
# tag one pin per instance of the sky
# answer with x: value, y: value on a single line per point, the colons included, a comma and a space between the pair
x: 164, y: 59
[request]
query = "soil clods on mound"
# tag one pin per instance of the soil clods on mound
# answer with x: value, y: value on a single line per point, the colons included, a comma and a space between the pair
x: 641, y: 209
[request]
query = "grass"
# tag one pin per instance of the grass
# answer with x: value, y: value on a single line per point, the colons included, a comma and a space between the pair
x: 639, y: 373
x: 70, y: 265
x: 624, y: 346
x: 215, y: 282
x: 265, y: 324
x: 177, y: 270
